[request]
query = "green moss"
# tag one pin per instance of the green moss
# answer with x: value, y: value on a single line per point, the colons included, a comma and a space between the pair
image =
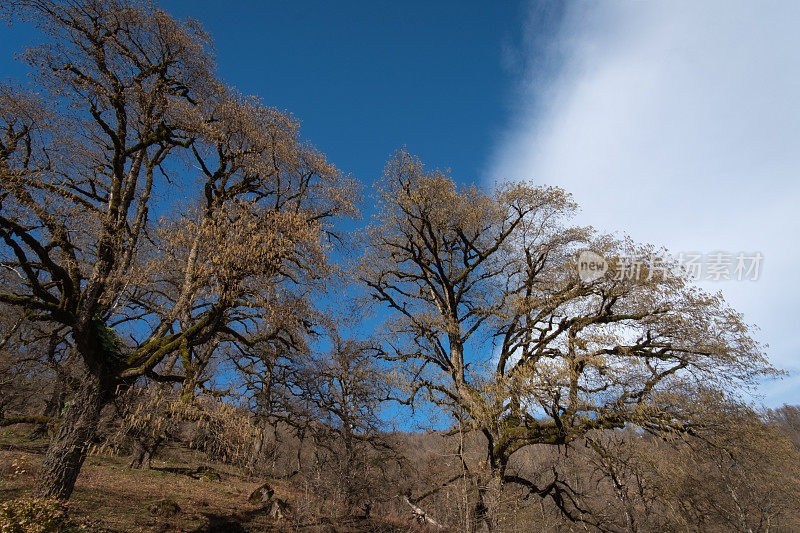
x: 165, y: 508
x: 110, y: 342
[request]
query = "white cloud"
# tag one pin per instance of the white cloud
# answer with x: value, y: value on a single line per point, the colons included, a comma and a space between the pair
x: 679, y: 124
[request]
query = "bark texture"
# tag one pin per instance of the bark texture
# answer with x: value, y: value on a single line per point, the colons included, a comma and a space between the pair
x: 70, y: 444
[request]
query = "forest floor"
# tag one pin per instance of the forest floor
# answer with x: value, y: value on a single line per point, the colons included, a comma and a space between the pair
x: 170, y: 497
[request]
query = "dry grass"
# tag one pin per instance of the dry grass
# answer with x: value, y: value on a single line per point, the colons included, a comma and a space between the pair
x: 112, y: 498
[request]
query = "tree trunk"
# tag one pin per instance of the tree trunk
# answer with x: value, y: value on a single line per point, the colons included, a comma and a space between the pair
x: 140, y: 457
x: 69, y: 446
x: 258, y: 446
x: 482, y: 518
x: 145, y: 445
x: 144, y: 449
x: 53, y: 407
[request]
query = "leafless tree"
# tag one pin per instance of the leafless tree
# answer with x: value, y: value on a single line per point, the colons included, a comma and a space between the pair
x: 493, y: 322
x: 129, y: 116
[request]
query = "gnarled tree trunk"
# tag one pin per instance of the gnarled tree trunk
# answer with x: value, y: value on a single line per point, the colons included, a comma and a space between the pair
x: 144, y: 449
x: 69, y: 446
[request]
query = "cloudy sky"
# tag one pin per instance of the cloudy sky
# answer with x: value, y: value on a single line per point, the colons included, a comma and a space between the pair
x: 677, y: 123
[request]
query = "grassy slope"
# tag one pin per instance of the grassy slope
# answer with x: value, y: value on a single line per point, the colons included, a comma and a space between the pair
x: 112, y: 498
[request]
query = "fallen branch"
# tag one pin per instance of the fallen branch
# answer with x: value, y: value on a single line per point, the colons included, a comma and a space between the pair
x: 421, y: 515
x: 35, y: 419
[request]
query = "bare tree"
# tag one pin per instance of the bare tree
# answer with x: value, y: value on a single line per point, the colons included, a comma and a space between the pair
x: 492, y: 321
x: 134, y: 117
x: 345, y: 387
x: 37, y: 370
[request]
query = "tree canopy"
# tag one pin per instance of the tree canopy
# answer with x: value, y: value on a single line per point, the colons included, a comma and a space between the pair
x: 147, y: 207
x: 169, y: 258
x: 493, y: 321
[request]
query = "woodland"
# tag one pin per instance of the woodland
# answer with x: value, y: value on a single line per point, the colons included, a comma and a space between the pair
x: 206, y: 326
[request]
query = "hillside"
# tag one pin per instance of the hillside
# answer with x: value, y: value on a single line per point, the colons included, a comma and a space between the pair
x: 172, y: 496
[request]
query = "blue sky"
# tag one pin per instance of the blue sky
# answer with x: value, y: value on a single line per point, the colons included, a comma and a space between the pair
x: 676, y: 122
x: 366, y: 78
x: 369, y: 77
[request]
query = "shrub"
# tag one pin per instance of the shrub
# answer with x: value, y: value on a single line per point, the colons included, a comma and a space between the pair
x: 32, y: 515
